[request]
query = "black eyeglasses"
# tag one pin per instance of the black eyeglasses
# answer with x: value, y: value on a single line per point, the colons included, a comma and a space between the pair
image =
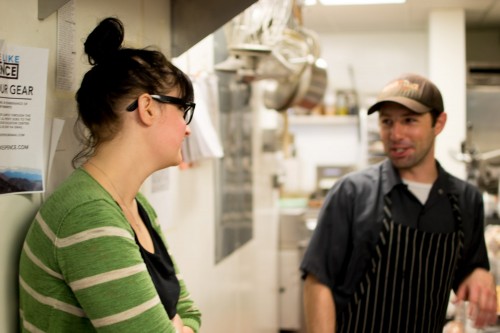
x: 187, y: 107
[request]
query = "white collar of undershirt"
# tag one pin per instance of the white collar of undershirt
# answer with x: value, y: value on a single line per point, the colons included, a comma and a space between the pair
x: 419, y: 190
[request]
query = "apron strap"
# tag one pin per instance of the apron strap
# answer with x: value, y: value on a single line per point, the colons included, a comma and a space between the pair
x: 406, y: 287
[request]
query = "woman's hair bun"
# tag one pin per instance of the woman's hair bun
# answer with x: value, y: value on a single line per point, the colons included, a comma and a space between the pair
x: 105, y: 40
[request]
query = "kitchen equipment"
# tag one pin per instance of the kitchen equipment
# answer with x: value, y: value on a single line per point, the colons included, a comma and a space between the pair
x: 327, y: 175
x: 312, y: 85
x: 481, y: 151
x: 266, y: 44
x: 307, y: 80
x: 284, y: 68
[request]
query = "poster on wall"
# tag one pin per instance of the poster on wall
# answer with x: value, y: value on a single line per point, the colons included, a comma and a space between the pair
x: 23, y: 86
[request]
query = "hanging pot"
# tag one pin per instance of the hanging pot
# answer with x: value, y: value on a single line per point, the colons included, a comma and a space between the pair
x: 312, y: 86
x: 279, y: 94
x: 284, y: 67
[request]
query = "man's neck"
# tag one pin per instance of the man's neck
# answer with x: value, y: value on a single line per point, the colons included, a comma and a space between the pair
x: 426, y: 174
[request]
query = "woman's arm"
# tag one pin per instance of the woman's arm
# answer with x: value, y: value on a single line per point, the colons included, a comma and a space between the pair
x: 186, y: 309
x: 102, y: 264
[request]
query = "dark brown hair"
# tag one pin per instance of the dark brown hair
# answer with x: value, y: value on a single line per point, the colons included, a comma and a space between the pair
x: 118, y: 74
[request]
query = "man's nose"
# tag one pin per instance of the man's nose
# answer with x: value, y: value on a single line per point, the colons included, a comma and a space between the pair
x: 397, y: 131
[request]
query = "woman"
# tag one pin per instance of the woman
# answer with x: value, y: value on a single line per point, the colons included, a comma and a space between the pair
x: 95, y: 257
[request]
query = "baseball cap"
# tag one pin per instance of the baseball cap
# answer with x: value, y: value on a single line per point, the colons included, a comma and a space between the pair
x: 412, y: 91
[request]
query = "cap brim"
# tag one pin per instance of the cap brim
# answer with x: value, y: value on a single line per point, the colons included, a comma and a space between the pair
x: 404, y: 101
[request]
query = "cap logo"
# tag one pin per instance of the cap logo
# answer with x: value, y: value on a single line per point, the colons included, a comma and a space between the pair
x: 407, y: 85
x: 412, y: 91
x: 404, y: 85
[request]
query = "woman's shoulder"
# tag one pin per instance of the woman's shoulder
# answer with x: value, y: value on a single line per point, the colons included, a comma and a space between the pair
x: 79, y: 198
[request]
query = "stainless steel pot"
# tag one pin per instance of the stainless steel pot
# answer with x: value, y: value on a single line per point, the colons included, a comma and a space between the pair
x: 306, y: 84
x: 312, y: 86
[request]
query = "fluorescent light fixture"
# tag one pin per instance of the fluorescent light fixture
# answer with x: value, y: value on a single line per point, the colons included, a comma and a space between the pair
x: 352, y: 2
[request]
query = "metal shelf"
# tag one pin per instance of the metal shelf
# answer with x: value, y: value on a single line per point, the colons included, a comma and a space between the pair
x: 323, y: 120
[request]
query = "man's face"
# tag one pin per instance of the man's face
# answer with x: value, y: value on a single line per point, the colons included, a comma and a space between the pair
x: 408, y: 137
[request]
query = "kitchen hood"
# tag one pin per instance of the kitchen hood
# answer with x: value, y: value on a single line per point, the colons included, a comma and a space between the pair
x: 483, y: 74
x: 191, y: 20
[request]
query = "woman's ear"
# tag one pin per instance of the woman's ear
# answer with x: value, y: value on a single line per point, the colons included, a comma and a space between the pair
x: 145, y: 109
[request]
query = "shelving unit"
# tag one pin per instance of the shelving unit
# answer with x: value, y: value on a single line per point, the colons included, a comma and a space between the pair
x: 323, y: 120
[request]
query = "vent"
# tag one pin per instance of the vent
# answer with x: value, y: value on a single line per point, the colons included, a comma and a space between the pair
x: 193, y: 20
x: 483, y: 74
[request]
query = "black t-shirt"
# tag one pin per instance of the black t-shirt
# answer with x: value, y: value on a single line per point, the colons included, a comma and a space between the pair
x: 161, y: 268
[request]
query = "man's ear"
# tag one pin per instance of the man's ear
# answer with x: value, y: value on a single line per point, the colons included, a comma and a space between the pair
x: 440, y: 122
x: 145, y: 109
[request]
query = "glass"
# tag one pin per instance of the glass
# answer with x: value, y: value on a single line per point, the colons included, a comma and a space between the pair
x: 187, y: 107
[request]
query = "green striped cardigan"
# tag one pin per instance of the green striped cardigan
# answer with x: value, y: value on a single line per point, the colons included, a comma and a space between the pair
x: 81, y: 269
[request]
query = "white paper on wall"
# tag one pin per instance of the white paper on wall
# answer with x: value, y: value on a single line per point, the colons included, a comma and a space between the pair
x: 63, y: 147
x: 204, y: 141
x: 66, y: 47
x: 23, y: 86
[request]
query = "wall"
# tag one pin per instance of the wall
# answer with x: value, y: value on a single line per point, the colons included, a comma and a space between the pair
x: 373, y: 57
x: 21, y: 26
x: 237, y: 295
x: 363, y: 61
x: 447, y: 36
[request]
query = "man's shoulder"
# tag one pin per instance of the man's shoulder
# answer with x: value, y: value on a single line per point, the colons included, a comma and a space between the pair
x: 361, y: 180
x: 368, y: 174
x: 459, y: 186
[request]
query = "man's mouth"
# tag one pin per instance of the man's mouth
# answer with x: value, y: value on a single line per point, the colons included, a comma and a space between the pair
x: 399, y: 151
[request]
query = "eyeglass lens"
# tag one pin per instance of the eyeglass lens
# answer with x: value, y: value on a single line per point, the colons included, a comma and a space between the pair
x: 188, y: 114
x: 187, y: 107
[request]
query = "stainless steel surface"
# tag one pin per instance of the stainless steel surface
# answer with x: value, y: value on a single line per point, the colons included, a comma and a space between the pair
x: 483, y: 113
x: 292, y: 228
x: 193, y: 20
x: 47, y: 7
x: 294, y: 236
x: 296, y: 54
x: 483, y: 73
x: 481, y: 149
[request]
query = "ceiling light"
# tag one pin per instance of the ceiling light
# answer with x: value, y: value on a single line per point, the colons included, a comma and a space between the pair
x: 357, y: 2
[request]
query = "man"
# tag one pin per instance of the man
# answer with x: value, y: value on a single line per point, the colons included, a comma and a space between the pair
x: 394, y: 239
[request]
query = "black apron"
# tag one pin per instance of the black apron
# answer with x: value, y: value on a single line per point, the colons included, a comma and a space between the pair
x: 407, y: 284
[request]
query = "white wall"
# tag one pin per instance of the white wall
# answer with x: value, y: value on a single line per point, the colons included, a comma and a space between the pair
x: 375, y: 58
x: 240, y: 293
x: 366, y: 61
x: 320, y: 143
x: 20, y: 26
x: 237, y: 295
x: 446, y: 38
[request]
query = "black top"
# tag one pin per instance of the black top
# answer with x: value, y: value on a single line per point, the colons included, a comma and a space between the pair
x: 161, y: 268
x: 351, y: 218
